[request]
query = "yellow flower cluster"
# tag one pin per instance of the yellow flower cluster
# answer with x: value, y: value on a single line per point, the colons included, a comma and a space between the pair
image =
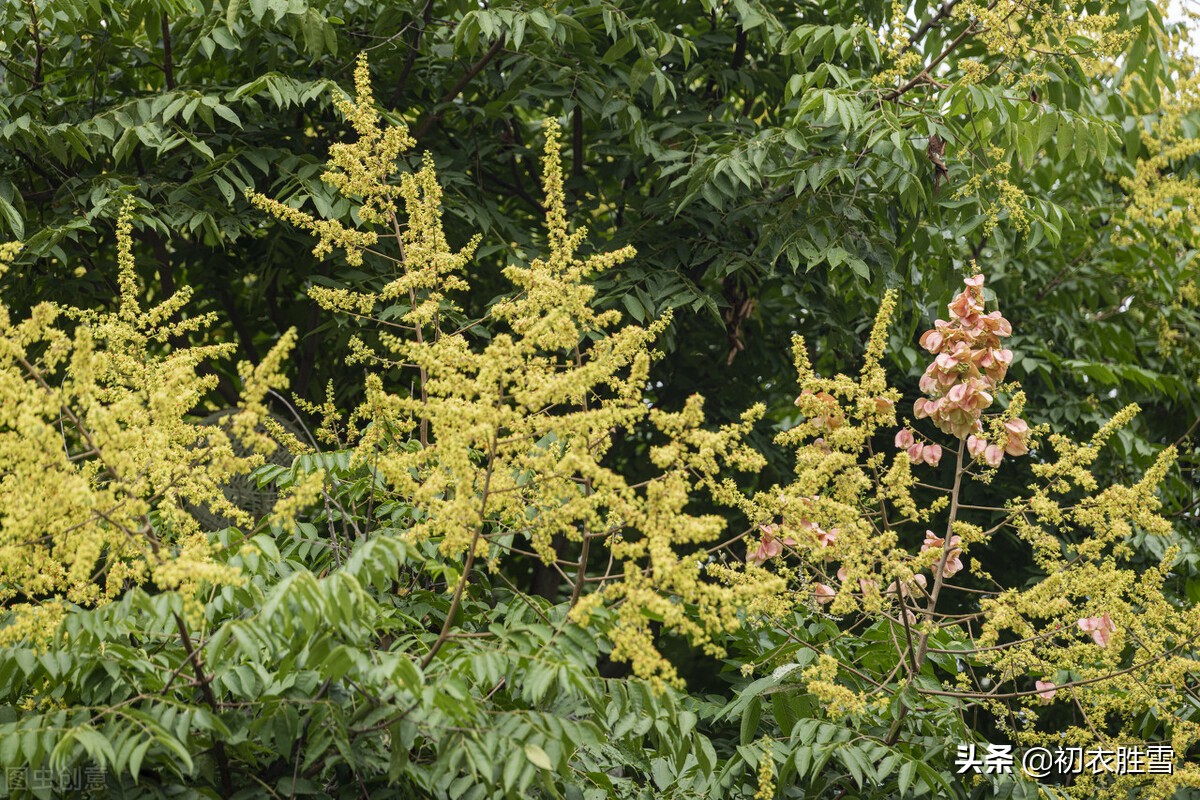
x: 1095, y: 631
x: 501, y: 444
x: 361, y: 168
x: 100, y: 461
x: 1163, y: 194
x: 1041, y: 31
x: 820, y: 680
x: 766, y: 772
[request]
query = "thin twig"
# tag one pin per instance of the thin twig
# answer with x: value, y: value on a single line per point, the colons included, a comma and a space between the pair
x: 467, y: 77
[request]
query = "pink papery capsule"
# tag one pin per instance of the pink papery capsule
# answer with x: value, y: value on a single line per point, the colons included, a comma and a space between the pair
x: 1045, y: 690
x: 1101, y: 628
x: 1017, y: 426
x: 976, y: 446
x: 767, y: 549
x: 932, y: 454
x: 824, y: 593
x: 915, y: 585
x: 916, y: 453
x: 966, y: 307
x: 997, y: 324
x: 946, y: 362
x: 954, y: 566
x: 993, y: 455
x: 904, y: 439
x: 826, y: 537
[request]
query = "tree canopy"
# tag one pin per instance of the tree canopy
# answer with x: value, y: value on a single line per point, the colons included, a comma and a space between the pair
x: 425, y: 608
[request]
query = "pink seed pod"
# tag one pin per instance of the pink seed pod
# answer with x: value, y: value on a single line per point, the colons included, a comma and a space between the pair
x: 993, y: 455
x: 976, y: 446
x: 1101, y: 628
x: 824, y: 593
x: 1015, y: 446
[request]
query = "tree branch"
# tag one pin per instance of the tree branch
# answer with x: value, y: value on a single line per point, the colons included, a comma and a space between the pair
x: 206, y: 690
x: 38, y: 49
x: 925, y: 26
x: 577, y: 141
x: 168, y: 67
x: 454, y: 92
x: 414, y: 50
x: 923, y: 76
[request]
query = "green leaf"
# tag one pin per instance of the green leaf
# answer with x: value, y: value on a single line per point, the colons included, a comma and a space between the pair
x: 12, y: 219
x: 634, y: 307
x: 1047, y: 123
x: 537, y: 756
x: 135, y: 759
x: 618, y: 50
x: 202, y: 147
x: 98, y: 748
x: 225, y: 112
x: 803, y: 759
x: 1027, y: 146
x: 750, y: 719
x: 1082, y: 141
x: 1065, y: 139
x: 906, y: 776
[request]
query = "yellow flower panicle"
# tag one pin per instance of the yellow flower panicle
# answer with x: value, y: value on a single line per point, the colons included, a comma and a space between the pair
x: 513, y: 433
x: 1096, y: 631
x: 101, y: 461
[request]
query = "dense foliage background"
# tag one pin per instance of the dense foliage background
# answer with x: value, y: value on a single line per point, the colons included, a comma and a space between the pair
x: 777, y: 166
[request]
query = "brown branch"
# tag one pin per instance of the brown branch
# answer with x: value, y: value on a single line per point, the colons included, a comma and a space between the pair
x: 414, y: 49
x: 739, y: 50
x: 211, y: 699
x: 1083, y: 682
x: 577, y: 141
x: 412, y: 304
x: 581, y: 572
x: 974, y: 650
x: 455, y: 601
x: 923, y: 76
x: 938, y: 582
x: 38, y: 49
x: 942, y: 13
x: 168, y: 67
x: 454, y: 92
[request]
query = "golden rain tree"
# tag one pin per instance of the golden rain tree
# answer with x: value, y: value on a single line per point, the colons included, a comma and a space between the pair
x: 367, y: 636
